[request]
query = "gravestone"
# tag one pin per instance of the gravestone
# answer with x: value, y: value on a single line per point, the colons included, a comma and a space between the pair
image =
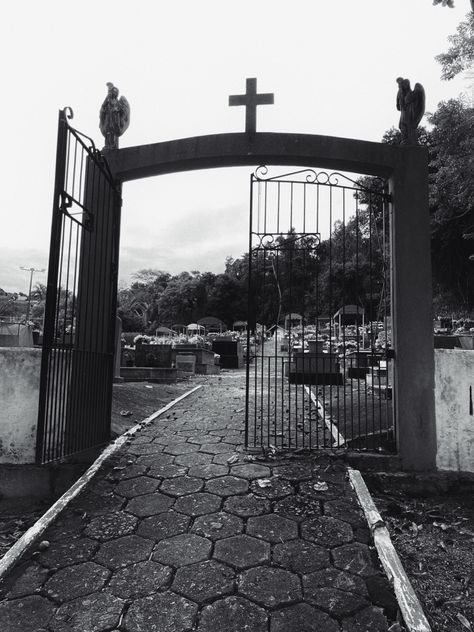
x: 314, y: 366
x: 153, y: 355
x: 230, y: 351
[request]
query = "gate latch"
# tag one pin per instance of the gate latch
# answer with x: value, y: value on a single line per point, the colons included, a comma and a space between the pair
x: 390, y: 354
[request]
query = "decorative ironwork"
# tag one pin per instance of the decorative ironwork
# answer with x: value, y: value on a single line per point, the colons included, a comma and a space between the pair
x: 318, y: 259
x: 78, y: 339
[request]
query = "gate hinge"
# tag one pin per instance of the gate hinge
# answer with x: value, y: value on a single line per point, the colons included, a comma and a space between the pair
x: 390, y: 354
x: 388, y: 197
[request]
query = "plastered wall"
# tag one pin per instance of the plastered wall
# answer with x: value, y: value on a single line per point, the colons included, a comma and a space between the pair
x: 454, y: 393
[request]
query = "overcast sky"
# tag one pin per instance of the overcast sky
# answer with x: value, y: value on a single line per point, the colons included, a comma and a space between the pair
x: 331, y: 64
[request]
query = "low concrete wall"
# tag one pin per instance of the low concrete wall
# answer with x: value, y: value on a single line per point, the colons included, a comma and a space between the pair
x: 454, y: 390
x: 19, y: 395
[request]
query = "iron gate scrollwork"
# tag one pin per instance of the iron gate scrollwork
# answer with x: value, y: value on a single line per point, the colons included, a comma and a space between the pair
x: 319, y: 362
x: 79, y: 325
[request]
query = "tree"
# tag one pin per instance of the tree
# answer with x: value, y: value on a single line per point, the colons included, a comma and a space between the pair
x: 444, y: 3
x: 460, y: 54
x: 452, y: 203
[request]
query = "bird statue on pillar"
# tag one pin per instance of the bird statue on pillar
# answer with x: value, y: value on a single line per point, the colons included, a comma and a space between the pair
x: 114, y: 117
x: 411, y: 105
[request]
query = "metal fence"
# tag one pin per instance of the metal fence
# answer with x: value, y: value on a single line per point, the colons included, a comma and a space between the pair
x: 78, y: 340
x: 319, y: 309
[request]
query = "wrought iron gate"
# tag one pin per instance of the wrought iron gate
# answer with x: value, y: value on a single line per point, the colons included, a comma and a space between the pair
x: 319, y: 363
x: 79, y: 325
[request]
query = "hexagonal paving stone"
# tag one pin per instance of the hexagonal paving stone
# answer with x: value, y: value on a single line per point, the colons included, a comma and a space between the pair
x: 204, y: 581
x: 198, y: 504
x: 154, y: 460
x: 170, y: 437
x: 326, y: 531
x: 137, y: 486
x: 163, y: 525
x: 294, y: 471
x: 76, y: 581
x: 251, y: 471
x: 66, y: 553
x: 180, y: 448
x: 100, y: 611
x: 169, y: 470
x: 139, y: 580
x: 247, y: 506
x: 183, y: 549
x: 217, y: 526
x: 97, y: 505
x: 26, y: 615
x: 129, y: 471
x: 298, y: 507
x: 31, y: 579
x: 162, y: 612
x: 278, y: 488
x: 208, y: 470
x: 111, y: 526
x: 68, y: 527
x: 354, y: 558
x: 272, y: 528
x: 233, y: 614
x: 369, y: 619
x: 223, y: 458
x: 333, y: 491
x: 195, y: 458
x: 337, y: 603
x: 203, y: 438
x: 181, y: 485
x: 353, y: 515
x: 227, y: 486
x: 334, y: 578
x: 216, y: 448
x: 300, y: 556
x: 124, y: 551
x: 242, y: 551
x: 301, y: 617
x: 270, y: 587
x: 140, y: 437
x: 141, y: 449
x: 149, y: 504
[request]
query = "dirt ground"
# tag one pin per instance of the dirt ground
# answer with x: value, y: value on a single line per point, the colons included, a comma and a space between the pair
x: 134, y: 401
x: 434, y: 537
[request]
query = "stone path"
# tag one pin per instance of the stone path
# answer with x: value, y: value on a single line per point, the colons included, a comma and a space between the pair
x: 180, y: 532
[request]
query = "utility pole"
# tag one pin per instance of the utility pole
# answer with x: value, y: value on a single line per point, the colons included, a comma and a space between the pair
x: 31, y: 271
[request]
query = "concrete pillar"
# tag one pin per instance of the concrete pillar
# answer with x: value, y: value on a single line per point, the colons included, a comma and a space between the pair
x: 118, y: 349
x: 412, y: 320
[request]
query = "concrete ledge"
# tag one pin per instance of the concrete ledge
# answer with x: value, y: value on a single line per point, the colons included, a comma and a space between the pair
x: 410, y: 607
x: 149, y: 374
x: 17, y: 481
x: 421, y: 484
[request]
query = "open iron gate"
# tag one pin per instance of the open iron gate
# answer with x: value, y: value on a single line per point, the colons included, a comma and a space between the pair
x: 319, y: 363
x: 79, y: 325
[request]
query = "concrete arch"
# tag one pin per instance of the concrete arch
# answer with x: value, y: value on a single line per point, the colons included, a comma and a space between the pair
x: 406, y: 167
x: 232, y: 150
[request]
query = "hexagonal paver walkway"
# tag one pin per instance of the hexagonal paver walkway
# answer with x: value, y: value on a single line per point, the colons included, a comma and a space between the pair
x: 182, y: 530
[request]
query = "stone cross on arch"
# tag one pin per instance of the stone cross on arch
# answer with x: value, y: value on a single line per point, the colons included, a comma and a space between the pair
x: 251, y: 99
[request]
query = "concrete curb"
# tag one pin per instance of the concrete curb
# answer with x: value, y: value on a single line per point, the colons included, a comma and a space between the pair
x: 410, y: 607
x: 12, y: 556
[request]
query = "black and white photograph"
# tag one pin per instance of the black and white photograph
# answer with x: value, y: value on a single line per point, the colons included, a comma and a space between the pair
x: 237, y: 316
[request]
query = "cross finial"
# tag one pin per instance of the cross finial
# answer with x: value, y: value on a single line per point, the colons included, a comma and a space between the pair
x: 251, y: 99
